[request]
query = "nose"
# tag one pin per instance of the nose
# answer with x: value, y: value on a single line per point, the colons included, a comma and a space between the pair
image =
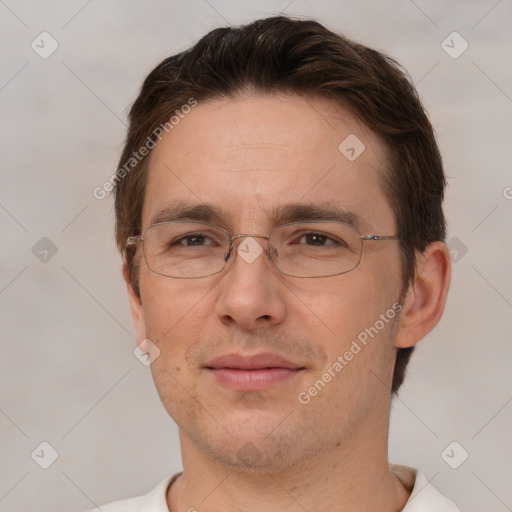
x: 252, y: 294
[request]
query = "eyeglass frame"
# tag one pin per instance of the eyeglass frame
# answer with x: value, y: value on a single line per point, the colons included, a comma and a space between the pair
x: 137, y: 239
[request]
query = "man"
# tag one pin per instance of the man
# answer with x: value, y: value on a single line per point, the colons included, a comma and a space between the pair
x: 279, y: 210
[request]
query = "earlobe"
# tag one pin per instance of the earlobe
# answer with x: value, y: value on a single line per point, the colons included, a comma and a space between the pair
x: 135, y: 306
x: 424, y: 303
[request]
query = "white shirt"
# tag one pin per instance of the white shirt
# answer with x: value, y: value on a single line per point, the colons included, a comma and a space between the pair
x: 424, y: 498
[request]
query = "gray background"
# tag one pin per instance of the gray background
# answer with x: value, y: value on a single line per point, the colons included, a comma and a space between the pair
x: 69, y: 376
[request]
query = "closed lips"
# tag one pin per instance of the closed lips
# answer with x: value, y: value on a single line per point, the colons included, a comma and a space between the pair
x: 252, y: 373
x: 253, y: 362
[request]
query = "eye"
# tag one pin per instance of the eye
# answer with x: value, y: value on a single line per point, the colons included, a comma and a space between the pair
x: 314, y: 239
x: 192, y: 240
x: 320, y: 240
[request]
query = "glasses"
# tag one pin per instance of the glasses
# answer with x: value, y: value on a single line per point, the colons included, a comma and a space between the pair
x: 190, y: 250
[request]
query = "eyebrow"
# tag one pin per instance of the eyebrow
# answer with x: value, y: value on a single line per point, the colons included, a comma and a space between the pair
x: 292, y: 212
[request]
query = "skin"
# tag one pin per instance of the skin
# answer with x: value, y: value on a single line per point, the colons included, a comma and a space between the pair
x: 250, y: 155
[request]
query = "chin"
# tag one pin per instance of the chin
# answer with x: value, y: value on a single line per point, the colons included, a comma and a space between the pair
x: 259, y: 455
x: 257, y: 442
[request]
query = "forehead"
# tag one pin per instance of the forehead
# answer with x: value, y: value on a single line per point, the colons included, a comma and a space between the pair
x: 253, y: 154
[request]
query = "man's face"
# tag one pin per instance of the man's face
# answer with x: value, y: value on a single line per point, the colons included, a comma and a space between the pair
x: 249, y: 157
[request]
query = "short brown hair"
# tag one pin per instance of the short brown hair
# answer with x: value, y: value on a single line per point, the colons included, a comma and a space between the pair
x: 280, y: 54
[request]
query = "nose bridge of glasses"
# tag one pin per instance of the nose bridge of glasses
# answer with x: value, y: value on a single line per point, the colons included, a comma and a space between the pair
x: 248, y: 250
x: 244, y: 236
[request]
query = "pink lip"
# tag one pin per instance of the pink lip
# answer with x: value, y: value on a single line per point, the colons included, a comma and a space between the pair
x: 252, y: 373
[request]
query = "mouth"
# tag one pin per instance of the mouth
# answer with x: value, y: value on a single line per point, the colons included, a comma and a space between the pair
x: 252, y: 373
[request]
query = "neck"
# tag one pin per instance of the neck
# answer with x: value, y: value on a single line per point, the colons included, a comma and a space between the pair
x: 353, y: 475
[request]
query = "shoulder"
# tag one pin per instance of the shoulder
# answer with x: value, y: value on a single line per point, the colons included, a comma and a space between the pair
x: 424, y: 496
x: 127, y: 505
x: 154, y: 501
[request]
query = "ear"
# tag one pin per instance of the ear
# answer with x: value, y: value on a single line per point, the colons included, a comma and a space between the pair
x: 423, y: 305
x: 136, y: 308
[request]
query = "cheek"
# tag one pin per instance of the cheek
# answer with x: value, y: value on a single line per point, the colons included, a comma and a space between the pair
x: 354, y: 317
x: 174, y: 311
x: 345, y: 304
